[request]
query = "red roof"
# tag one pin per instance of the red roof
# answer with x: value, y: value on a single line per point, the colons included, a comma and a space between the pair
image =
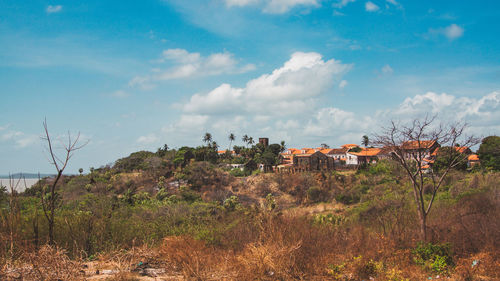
x: 418, y: 144
x: 326, y: 151
x: 367, y: 152
x: 350, y: 145
x: 473, y: 157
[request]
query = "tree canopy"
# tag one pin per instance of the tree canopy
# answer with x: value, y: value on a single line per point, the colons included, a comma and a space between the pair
x: 489, y: 153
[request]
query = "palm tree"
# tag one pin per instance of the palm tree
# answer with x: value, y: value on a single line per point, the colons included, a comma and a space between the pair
x: 214, y: 145
x: 282, y: 146
x: 245, y: 139
x: 365, y: 141
x: 231, y: 137
x: 207, y: 138
x: 250, y: 141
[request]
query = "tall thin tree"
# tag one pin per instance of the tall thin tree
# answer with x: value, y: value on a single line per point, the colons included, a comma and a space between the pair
x: 49, y: 197
x: 365, y: 141
x: 410, y: 146
x: 231, y: 138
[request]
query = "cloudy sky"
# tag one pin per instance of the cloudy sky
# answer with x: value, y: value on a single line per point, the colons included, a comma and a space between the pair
x: 133, y: 75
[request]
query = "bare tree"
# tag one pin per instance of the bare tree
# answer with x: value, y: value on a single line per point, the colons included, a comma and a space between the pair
x: 14, y: 214
x: 49, y: 197
x: 411, y: 146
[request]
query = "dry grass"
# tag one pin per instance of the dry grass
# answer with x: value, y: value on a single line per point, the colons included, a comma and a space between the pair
x: 196, y: 261
x: 51, y: 263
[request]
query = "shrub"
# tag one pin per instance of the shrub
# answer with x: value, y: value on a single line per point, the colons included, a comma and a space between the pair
x: 433, y: 257
x: 316, y: 194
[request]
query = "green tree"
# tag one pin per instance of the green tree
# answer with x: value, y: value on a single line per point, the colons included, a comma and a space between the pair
x: 231, y: 138
x: 282, y: 146
x: 489, y: 153
x: 162, y: 151
x: 447, y: 154
x: 245, y: 139
x: 365, y: 141
x: 207, y: 138
x: 418, y: 131
x: 250, y: 141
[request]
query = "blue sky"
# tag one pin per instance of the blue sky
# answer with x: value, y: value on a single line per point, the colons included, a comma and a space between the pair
x: 133, y: 75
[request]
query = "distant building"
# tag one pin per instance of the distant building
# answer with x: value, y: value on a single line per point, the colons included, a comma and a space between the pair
x: 366, y: 156
x: 419, y: 149
x: 472, y: 160
x: 316, y: 161
x: 264, y: 141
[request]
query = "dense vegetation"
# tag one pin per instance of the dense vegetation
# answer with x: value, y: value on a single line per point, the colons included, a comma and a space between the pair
x: 188, y: 213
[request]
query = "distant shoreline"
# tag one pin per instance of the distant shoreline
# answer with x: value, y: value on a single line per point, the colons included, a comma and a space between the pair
x: 25, y: 175
x: 21, y: 187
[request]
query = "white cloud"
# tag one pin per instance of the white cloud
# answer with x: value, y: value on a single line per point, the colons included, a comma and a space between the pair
x: 283, y: 6
x: 273, y: 6
x: 53, y: 9
x: 187, y: 65
x: 26, y: 141
x: 453, y: 31
x: 4, y: 127
x: 148, y: 139
x: 337, y: 13
x: 240, y: 3
x: 331, y: 121
x: 289, y: 104
x: 394, y: 3
x: 19, y: 139
x: 371, y: 7
x: 387, y: 70
x: 283, y: 92
x: 342, y: 3
x: 481, y: 114
x: 10, y: 135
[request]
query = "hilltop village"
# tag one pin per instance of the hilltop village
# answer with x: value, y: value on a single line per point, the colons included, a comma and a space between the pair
x: 351, y: 156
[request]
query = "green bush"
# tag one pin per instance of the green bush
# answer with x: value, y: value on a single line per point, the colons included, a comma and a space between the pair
x: 434, y: 257
x: 316, y: 194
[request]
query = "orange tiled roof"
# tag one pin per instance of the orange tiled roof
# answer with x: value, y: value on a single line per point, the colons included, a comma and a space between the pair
x: 338, y: 150
x: 349, y: 145
x: 461, y: 149
x: 367, y: 152
x: 415, y: 144
x: 326, y: 150
x: 473, y: 157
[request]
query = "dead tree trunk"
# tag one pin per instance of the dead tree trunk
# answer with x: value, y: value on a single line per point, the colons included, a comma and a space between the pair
x: 49, y: 208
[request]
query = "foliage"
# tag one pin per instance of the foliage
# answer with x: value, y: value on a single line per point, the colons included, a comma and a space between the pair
x: 316, y: 194
x: 445, y: 156
x: 355, y: 149
x: 489, y: 153
x: 135, y: 161
x: 434, y: 257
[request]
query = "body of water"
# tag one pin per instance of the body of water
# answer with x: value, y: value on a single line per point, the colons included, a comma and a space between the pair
x: 21, y: 186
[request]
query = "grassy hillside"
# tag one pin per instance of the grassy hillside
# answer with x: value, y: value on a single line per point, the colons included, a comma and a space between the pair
x: 198, y: 221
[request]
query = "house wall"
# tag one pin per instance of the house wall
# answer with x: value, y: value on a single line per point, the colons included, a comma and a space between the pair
x: 351, y: 159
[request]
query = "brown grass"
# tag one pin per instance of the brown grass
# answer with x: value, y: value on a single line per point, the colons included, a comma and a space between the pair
x: 51, y: 263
